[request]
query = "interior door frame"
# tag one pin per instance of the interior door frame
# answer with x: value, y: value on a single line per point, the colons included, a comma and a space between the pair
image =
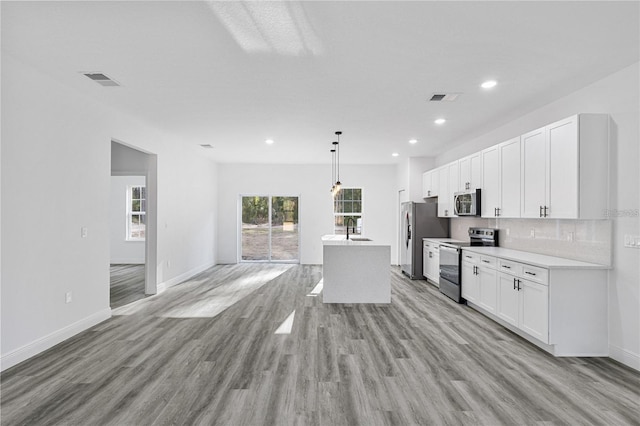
x: 239, y: 236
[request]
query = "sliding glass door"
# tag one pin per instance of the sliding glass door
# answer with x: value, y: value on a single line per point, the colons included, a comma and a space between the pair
x: 269, y: 229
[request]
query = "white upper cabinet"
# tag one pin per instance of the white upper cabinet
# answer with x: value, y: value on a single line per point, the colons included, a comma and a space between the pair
x: 490, y: 182
x: 501, y: 180
x: 565, y: 169
x: 510, y: 178
x: 470, y: 172
x: 559, y: 171
x: 443, y: 190
x: 447, y: 186
x: 534, y: 164
x: 430, y: 182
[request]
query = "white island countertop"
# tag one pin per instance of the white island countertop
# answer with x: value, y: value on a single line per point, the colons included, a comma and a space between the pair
x: 341, y: 240
x: 541, y: 260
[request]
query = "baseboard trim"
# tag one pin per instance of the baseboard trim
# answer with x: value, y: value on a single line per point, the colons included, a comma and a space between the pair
x: 625, y: 356
x: 129, y: 261
x: 184, y: 276
x: 42, y: 344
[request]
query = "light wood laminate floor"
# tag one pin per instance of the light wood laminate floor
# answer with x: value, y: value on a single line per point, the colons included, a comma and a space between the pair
x: 206, y: 352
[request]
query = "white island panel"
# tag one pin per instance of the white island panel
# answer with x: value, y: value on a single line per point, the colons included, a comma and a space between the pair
x: 356, y: 272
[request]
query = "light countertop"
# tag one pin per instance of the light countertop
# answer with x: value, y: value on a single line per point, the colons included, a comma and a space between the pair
x: 341, y: 240
x: 444, y: 240
x: 541, y: 260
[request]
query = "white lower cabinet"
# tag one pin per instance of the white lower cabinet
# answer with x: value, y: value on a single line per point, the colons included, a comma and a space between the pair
x: 524, y: 304
x: 488, y: 288
x: 431, y: 261
x: 479, y: 280
x: 470, y: 282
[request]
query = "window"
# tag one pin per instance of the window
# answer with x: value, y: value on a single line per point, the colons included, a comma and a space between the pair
x: 136, y: 213
x: 269, y: 229
x: 347, y: 210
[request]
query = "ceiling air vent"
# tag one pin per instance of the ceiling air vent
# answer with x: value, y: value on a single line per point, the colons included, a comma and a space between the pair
x: 437, y: 97
x: 206, y: 146
x: 101, y: 79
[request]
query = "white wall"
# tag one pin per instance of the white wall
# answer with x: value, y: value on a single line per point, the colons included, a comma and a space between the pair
x: 55, y: 169
x: 312, y: 184
x: 619, y: 96
x: 121, y: 250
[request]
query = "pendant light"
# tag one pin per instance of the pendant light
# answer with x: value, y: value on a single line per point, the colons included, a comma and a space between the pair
x: 333, y: 171
x: 337, y: 144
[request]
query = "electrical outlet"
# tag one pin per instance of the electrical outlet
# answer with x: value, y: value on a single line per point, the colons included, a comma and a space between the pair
x: 508, y: 231
x: 532, y: 233
x: 68, y: 297
x: 570, y: 236
x: 84, y: 231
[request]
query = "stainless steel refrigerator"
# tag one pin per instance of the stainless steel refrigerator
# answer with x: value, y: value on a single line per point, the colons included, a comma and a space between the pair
x: 418, y: 221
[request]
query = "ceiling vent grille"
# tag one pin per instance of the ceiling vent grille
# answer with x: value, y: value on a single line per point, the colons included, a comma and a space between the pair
x: 101, y: 79
x: 438, y: 97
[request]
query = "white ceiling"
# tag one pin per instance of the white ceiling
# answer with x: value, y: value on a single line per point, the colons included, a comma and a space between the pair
x: 233, y: 74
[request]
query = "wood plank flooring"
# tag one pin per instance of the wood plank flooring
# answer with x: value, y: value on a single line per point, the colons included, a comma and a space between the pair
x: 423, y: 360
x: 127, y: 284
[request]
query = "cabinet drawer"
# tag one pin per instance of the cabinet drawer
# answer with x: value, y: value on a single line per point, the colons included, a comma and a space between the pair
x: 470, y: 257
x: 534, y: 273
x: 488, y: 261
x: 509, y: 267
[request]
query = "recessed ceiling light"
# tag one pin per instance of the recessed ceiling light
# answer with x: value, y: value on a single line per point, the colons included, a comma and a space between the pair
x: 440, y: 121
x: 413, y: 141
x: 395, y: 154
x: 488, y: 84
x: 269, y: 141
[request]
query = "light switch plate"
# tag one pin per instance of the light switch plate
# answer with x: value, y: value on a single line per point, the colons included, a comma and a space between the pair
x: 84, y: 231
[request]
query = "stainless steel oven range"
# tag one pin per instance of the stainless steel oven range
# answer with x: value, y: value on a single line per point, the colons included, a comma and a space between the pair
x: 450, y: 260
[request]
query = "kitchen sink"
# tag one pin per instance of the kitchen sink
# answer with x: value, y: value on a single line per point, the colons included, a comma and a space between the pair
x: 360, y: 239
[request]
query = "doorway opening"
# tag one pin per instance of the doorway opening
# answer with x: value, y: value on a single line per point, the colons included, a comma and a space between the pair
x: 269, y: 229
x: 132, y: 224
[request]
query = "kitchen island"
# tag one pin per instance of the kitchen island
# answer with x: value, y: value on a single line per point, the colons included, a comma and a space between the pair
x: 357, y: 270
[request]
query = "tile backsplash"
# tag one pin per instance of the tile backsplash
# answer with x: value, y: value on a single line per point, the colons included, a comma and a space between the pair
x: 585, y: 240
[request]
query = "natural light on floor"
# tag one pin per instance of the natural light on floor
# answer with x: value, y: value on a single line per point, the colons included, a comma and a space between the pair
x: 287, y: 325
x: 317, y: 289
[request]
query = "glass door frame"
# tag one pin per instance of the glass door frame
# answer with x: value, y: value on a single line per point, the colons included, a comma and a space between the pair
x: 269, y: 260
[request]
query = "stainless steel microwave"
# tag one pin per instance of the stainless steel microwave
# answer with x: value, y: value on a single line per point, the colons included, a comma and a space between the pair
x: 467, y: 203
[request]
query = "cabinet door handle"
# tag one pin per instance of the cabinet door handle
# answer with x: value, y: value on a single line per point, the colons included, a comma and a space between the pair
x: 518, y: 284
x: 468, y: 257
x: 446, y: 212
x: 429, y: 192
x: 540, y: 211
x: 545, y: 211
x: 498, y: 211
x: 430, y: 255
x: 530, y: 273
x: 495, y: 211
x: 514, y: 283
x: 505, y: 266
x: 485, y: 261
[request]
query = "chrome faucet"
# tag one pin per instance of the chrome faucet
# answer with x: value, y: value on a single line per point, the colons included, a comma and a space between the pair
x: 353, y: 221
